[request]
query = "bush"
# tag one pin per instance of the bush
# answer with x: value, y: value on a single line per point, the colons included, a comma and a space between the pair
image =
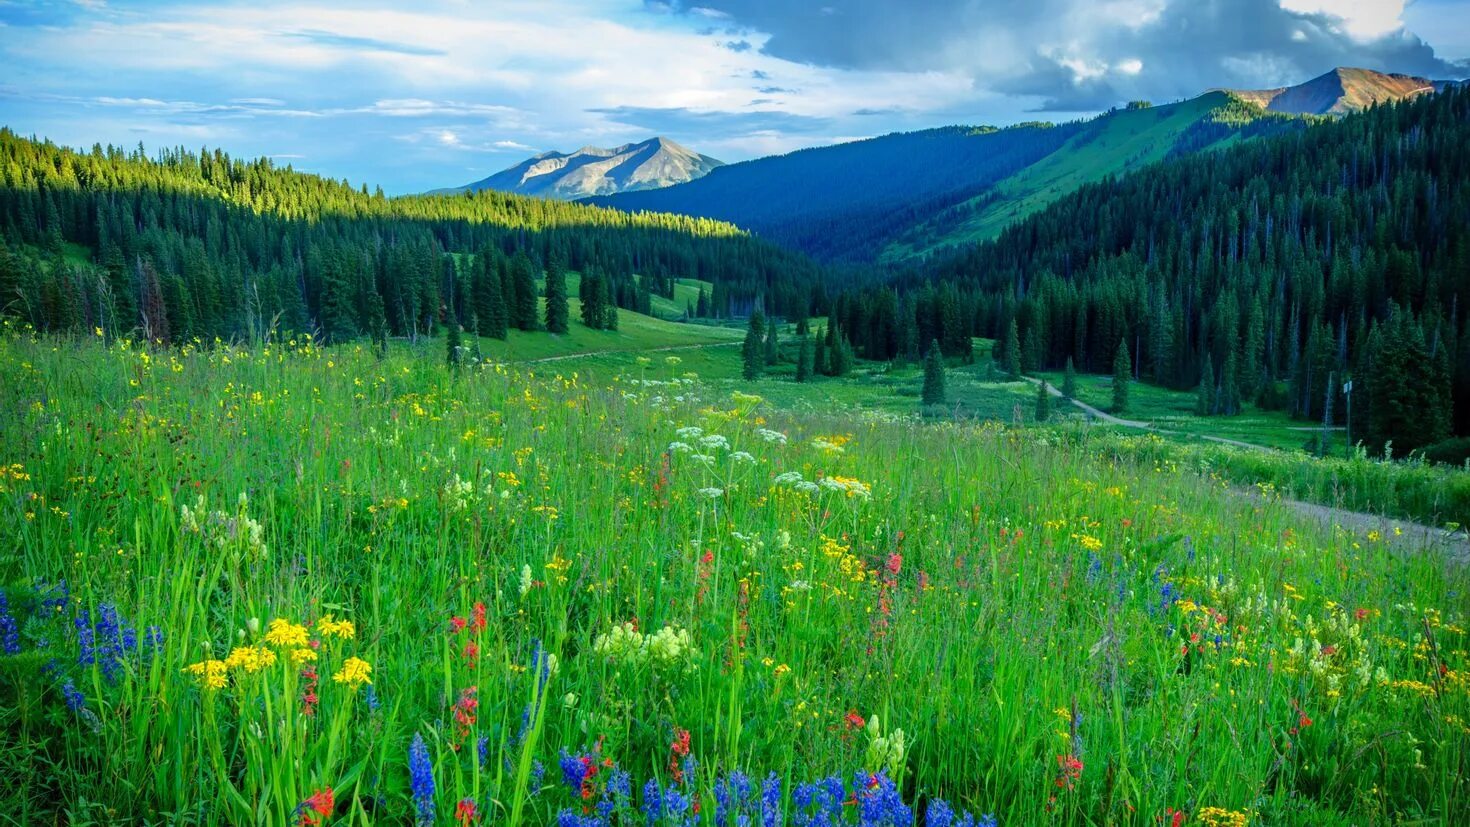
x: 1454, y: 451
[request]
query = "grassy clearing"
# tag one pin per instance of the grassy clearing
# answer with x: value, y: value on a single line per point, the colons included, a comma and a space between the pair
x: 551, y: 582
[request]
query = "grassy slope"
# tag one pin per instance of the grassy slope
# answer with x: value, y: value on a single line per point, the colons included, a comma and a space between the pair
x: 636, y: 333
x: 1117, y: 143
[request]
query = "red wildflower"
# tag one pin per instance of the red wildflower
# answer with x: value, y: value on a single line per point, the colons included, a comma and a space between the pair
x: 1360, y: 615
x: 471, y: 652
x: 308, y: 690
x: 678, y: 749
x: 1176, y: 817
x: 854, y: 720
x: 1069, y: 771
x: 456, y: 624
x: 321, y: 803
x: 465, y: 812
x: 478, y: 623
x: 895, y: 562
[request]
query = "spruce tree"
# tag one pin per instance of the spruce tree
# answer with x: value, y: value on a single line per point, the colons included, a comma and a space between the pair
x: 556, y: 299
x: 934, y: 390
x: 1204, y: 399
x: 804, y: 360
x: 452, y: 344
x: 1013, y: 351
x: 1069, y: 381
x: 1122, y: 375
x: 591, y: 292
x: 1043, y: 402
x: 772, y: 346
x: 819, y: 360
x: 609, y: 307
x: 524, y: 279
x: 752, y: 351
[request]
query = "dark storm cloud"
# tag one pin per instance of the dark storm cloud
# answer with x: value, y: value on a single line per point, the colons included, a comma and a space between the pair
x: 1105, y: 55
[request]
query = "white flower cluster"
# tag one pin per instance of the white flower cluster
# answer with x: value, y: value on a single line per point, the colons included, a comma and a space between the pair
x: 712, y: 493
x: 845, y: 485
x: 792, y: 479
x: 224, y: 530
x: 624, y: 644
x: 773, y: 437
x: 459, y: 494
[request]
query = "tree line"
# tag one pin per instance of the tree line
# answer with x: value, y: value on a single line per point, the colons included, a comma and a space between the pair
x: 183, y: 245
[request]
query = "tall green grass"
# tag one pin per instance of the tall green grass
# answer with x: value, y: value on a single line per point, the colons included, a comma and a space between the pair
x: 532, y: 561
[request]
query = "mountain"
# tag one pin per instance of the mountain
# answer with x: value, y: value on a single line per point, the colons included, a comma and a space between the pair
x: 1267, y: 270
x: 1338, y: 92
x: 650, y: 164
x: 908, y: 195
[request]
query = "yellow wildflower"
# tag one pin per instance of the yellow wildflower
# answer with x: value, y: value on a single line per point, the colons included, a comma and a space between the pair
x: 285, y: 633
x: 302, y: 655
x: 336, y: 628
x: 252, y: 659
x: 211, y: 673
x: 354, y: 671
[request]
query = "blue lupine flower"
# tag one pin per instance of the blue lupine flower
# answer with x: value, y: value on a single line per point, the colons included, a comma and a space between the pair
x: 771, y: 800
x: 51, y: 600
x: 370, y: 696
x: 9, y: 632
x: 574, y: 770
x: 421, y: 778
x: 75, y: 700
x: 653, y: 802
x: 482, y: 748
x: 570, y: 818
x: 1094, y: 568
x: 620, y: 785
x: 538, y: 774
x: 879, y: 802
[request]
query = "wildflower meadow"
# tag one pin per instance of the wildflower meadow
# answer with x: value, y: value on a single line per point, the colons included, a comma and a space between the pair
x: 295, y: 585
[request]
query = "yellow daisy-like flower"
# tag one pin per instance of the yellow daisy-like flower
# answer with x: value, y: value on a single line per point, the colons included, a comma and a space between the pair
x: 252, y: 659
x: 354, y: 672
x: 302, y: 655
x: 336, y: 628
x: 285, y: 633
x: 211, y: 673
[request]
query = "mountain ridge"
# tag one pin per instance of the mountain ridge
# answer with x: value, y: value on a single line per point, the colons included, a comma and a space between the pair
x: 641, y: 165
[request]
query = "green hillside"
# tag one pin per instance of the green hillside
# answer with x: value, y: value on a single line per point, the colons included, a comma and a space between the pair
x: 1116, y: 143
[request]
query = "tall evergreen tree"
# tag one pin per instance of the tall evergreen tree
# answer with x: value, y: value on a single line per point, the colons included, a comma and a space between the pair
x: 804, y: 360
x: 752, y: 351
x: 1043, y: 401
x: 1204, y: 398
x: 1122, y: 376
x: 1013, y: 351
x: 556, y: 298
x: 1069, y: 381
x: 453, y: 344
x: 934, y: 392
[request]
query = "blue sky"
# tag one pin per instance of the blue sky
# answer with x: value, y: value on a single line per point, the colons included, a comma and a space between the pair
x: 412, y: 96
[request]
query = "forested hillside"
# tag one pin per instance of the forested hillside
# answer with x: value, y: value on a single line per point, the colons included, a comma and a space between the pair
x: 843, y: 202
x: 908, y: 195
x: 185, y: 245
x: 1270, y: 270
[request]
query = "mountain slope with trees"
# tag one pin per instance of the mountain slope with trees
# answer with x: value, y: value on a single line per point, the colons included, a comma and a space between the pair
x: 185, y: 245
x: 1274, y: 270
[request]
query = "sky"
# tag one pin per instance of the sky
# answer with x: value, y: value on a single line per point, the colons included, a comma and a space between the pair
x: 416, y: 95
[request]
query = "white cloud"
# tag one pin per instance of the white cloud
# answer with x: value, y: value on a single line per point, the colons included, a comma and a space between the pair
x: 1363, y: 19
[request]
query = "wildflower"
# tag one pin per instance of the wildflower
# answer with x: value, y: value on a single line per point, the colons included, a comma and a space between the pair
x: 9, y: 635
x: 284, y: 633
x: 354, y: 672
x: 1069, y: 771
x: 526, y: 581
x: 879, y: 801
x: 774, y: 437
x: 678, y: 749
x: 338, y: 628
x: 303, y: 655
x: 211, y: 673
x: 251, y: 659
x: 712, y: 493
x: 370, y: 697
x: 313, y: 809
x: 308, y: 689
x: 421, y: 779
x: 465, y: 812
x: 477, y: 617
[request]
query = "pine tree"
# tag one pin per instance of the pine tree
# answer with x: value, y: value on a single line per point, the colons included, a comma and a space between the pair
x: 752, y: 353
x: 1069, y: 381
x: 524, y: 279
x: 1204, y: 399
x: 556, y: 298
x: 591, y: 293
x: 1122, y: 375
x: 1013, y: 351
x: 452, y: 344
x: 934, y: 385
x: 772, y: 346
x: 609, y: 307
x: 804, y: 360
x: 819, y: 360
x: 1043, y: 401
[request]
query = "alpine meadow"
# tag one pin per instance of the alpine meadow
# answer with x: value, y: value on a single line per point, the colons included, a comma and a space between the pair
x: 922, y: 463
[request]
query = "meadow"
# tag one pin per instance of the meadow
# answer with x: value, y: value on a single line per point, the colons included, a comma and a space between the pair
x: 288, y: 584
